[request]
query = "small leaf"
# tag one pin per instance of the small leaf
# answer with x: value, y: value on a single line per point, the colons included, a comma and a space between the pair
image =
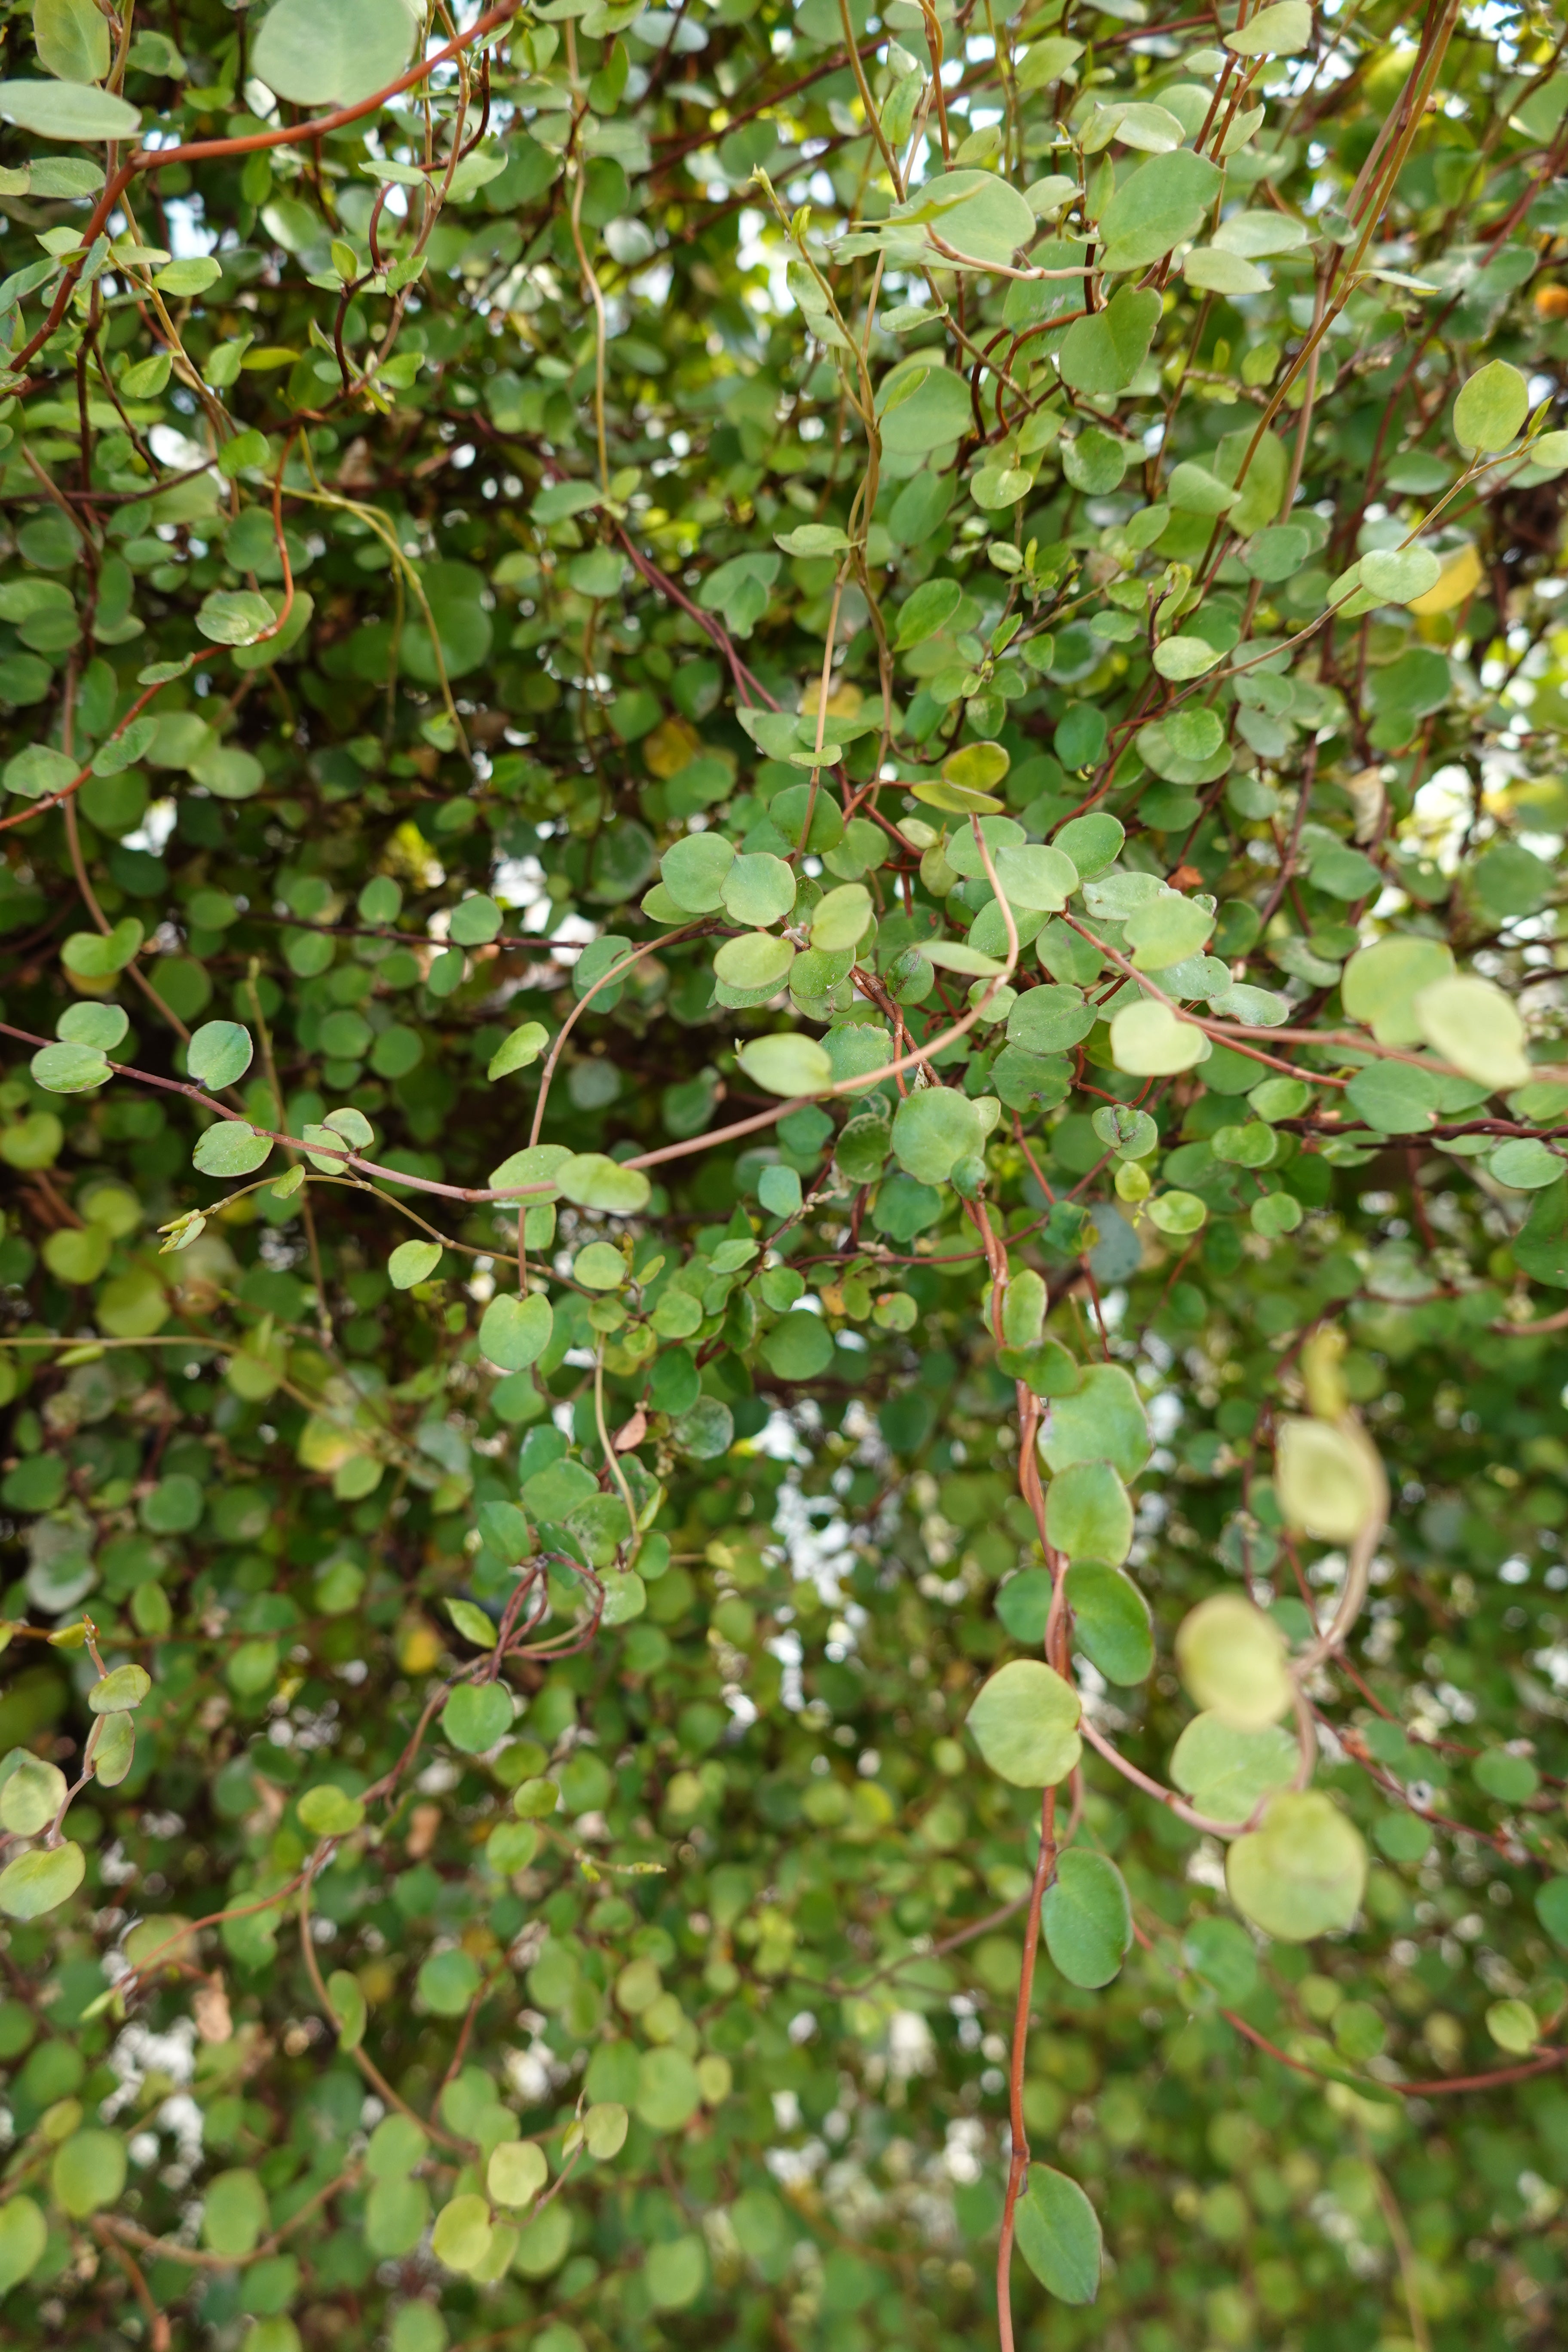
x: 1148, y: 1041
x: 517, y: 2172
x: 472, y: 1622
x: 235, y: 616
x: 1328, y: 1476
x: 1110, y: 1621
x: 1087, y: 1918
x: 218, y: 1053
x: 477, y: 1715
x: 1232, y: 1659
x: 69, y: 1069
x: 31, y: 1795
x: 515, y: 1332
x: 1475, y: 1026
x: 786, y: 1063
x: 41, y: 1881
x: 59, y: 110
x: 231, y: 1148
x: 327, y: 1811
x: 125, y: 1688
x: 1282, y: 31
x: 1060, y: 2235
x: 593, y: 1181
x: 1490, y: 410
x: 1301, y: 1873
x: 525, y: 1045
x: 346, y: 1996
x: 1024, y: 1723
x: 413, y: 1262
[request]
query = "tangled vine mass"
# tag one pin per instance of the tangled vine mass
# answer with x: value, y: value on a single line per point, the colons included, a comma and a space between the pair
x: 784, y: 1105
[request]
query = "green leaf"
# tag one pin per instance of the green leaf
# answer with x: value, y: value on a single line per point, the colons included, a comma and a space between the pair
x: 1040, y: 879
x: 1024, y: 1723
x: 514, y: 1332
x: 69, y: 1069
x: 67, y: 109
x: 1102, y: 1420
x: 517, y: 2172
x: 756, y: 961
x: 89, y: 2169
x: 1102, y: 354
x: 1301, y: 1873
x: 396, y: 2215
x: 1398, y: 575
x: 182, y: 278
x: 1088, y: 1513
x: 1328, y: 1477
x: 1185, y: 657
x: 935, y: 411
x: 475, y: 923
x: 1166, y: 929
x: 219, y: 1053
x: 1161, y: 204
x: 525, y: 1045
x: 758, y: 889
x: 668, y: 2090
x: 1060, y: 2235
x: 1150, y: 1041
x: 1087, y: 1918
x: 1513, y: 2026
x: 476, y: 1717
x: 235, y: 2214
x: 231, y: 1148
x: 24, y: 2233
x: 346, y: 1996
x: 448, y: 1981
x: 1380, y: 985
x: 1232, y: 1660
x: 461, y: 2237
x: 842, y: 918
x: 115, y: 1750
x: 1490, y: 410
x: 1223, y: 1954
x: 326, y: 1811
x: 975, y: 213
x: 125, y: 1688
x: 317, y: 56
x: 41, y: 1881
x: 1227, y: 1770
x: 413, y: 1262
x: 471, y: 1622
x: 799, y: 1346
x: 595, y: 1181
x: 1111, y: 1624
x: 235, y: 616
x: 72, y: 40
x: 1551, y: 1909
x: 929, y: 609
x: 1280, y: 31
x: 933, y: 1130
x: 31, y: 1795
x: 1476, y: 1027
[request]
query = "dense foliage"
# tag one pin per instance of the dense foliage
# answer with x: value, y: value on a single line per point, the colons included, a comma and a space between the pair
x: 783, y: 1113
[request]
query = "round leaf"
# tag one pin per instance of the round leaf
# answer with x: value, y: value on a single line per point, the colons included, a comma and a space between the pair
x: 1232, y: 1660
x: 413, y: 1262
x: 1087, y: 1918
x: 476, y: 1717
x: 1059, y: 2236
x: 219, y: 1053
x: 1024, y: 1723
x: 1301, y: 1873
x: 41, y: 1881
